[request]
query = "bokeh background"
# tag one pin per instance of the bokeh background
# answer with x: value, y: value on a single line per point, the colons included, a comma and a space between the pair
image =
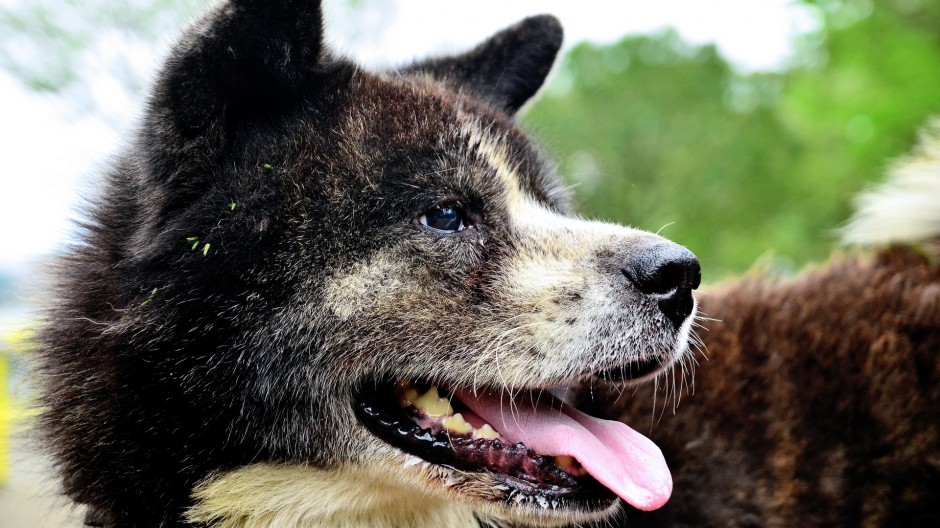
x: 740, y: 129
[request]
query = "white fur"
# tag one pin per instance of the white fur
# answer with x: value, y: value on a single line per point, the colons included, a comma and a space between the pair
x: 906, y: 207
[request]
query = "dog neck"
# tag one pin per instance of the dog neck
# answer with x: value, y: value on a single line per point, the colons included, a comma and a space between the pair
x: 282, y: 496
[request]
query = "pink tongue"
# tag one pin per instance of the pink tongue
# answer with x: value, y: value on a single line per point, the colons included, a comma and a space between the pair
x: 623, y: 460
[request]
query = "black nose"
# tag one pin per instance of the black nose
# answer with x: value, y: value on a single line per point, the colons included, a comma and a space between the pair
x: 670, y: 272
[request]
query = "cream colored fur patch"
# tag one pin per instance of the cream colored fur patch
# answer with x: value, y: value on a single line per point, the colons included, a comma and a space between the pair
x: 293, y: 496
x: 367, y: 284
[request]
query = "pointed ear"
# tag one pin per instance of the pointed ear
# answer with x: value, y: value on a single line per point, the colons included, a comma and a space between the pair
x: 244, y: 57
x: 508, y: 68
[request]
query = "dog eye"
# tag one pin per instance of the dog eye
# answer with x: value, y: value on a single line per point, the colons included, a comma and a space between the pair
x: 447, y: 219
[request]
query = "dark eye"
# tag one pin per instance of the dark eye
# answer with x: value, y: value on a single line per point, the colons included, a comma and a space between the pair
x: 447, y: 219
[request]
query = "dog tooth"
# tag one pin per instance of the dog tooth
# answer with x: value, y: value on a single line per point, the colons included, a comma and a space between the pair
x: 571, y: 465
x: 564, y: 461
x: 456, y: 424
x: 406, y: 391
x: 486, y: 432
x: 432, y: 403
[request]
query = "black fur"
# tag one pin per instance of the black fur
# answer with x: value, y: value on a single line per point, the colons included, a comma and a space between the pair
x: 178, y: 307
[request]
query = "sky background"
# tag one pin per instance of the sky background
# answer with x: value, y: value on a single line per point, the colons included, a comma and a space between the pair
x: 53, y: 144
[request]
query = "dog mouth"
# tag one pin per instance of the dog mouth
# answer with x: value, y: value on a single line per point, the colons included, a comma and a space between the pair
x: 538, y: 448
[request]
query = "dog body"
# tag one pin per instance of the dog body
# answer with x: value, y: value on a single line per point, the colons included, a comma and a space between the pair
x: 819, y: 404
x: 294, y: 255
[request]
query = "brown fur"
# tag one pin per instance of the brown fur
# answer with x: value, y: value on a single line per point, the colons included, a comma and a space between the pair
x: 818, y: 405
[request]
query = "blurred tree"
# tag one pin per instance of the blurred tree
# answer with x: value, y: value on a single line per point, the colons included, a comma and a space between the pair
x: 67, y: 47
x: 42, y: 43
x: 860, y: 97
x: 654, y: 132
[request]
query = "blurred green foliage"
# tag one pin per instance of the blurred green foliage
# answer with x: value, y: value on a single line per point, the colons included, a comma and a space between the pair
x: 43, y: 44
x: 665, y: 136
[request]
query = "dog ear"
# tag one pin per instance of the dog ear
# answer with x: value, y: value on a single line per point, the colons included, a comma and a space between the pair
x: 508, y: 68
x: 243, y: 58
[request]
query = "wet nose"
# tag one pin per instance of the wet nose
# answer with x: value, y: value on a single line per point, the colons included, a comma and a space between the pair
x: 670, y: 272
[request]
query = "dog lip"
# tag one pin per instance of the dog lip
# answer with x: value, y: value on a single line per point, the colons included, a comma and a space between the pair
x: 632, y: 371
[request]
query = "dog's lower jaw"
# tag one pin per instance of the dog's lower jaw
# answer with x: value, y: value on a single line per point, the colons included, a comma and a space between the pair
x: 267, y: 495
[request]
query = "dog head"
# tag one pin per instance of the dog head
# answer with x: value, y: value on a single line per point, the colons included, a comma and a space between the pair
x: 320, y: 267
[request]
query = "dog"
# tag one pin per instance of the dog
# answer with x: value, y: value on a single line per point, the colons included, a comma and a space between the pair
x: 314, y: 295
x: 819, y: 402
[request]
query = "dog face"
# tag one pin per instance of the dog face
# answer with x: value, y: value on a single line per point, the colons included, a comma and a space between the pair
x: 356, y: 273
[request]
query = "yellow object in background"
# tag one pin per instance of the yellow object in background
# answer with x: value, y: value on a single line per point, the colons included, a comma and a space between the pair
x: 6, y: 417
x: 14, y: 345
